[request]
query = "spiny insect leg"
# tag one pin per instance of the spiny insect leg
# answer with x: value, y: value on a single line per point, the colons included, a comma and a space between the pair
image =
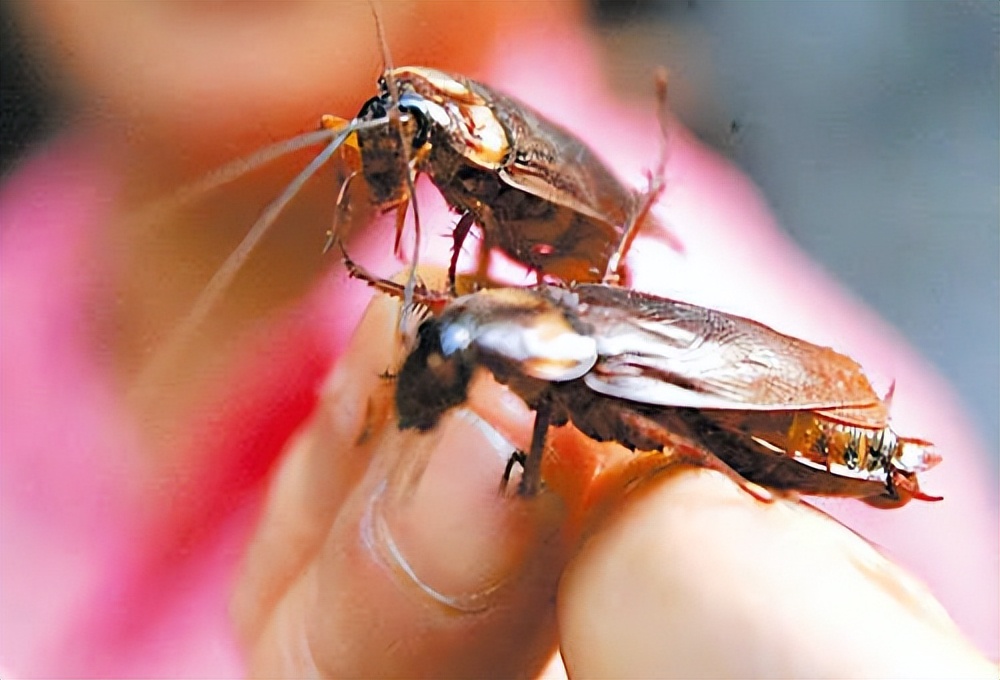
x: 678, y: 450
x: 400, y: 207
x: 458, y: 238
x: 516, y: 458
x: 531, y: 478
x: 341, y: 206
x: 433, y: 300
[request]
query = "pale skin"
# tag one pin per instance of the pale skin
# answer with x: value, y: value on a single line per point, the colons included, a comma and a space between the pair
x: 684, y: 576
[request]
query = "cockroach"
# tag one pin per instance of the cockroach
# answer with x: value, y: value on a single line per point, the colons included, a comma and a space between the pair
x: 537, y: 192
x: 654, y: 374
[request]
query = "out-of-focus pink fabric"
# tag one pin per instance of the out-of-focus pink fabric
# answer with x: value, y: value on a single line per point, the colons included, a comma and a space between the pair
x: 98, y: 579
x: 105, y: 571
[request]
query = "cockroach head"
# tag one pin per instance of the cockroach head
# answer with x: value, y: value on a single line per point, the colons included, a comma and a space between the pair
x: 431, y: 381
x: 416, y: 113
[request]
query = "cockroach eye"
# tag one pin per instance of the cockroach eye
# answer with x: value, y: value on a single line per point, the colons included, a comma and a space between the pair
x: 372, y: 109
x: 415, y: 106
x: 420, y: 136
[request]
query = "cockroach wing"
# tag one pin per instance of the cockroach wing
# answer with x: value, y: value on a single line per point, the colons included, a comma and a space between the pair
x: 550, y: 163
x: 659, y: 351
x: 872, y: 416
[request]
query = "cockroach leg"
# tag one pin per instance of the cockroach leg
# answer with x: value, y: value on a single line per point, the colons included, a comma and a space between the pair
x: 891, y: 492
x: 682, y: 451
x: 400, y: 208
x: 433, y: 300
x: 458, y: 238
x: 694, y: 455
x: 636, y: 470
x: 645, y: 203
x: 531, y: 478
x: 356, y: 271
x: 338, y: 208
x: 516, y: 458
x: 646, y: 200
x: 908, y: 485
x: 483, y: 261
x: 411, y: 280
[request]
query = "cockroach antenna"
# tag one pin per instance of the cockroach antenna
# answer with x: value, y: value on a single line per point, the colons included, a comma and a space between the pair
x: 395, y: 121
x: 223, y: 277
x: 383, y: 45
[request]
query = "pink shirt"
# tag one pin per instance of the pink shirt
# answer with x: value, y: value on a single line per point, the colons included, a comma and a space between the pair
x: 97, y: 579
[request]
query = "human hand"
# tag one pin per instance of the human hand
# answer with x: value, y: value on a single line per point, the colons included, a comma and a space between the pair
x: 322, y: 592
x: 466, y: 583
x: 441, y: 576
x: 694, y: 578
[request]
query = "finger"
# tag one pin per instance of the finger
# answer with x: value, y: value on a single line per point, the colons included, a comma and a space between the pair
x: 324, y: 461
x: 694, y: 578
x: 390, y: 572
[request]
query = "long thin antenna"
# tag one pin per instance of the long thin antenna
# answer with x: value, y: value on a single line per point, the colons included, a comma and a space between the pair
x: 224, y: 276
x: 394, y: 117
x: 383, y: 45
x: 235, y: 169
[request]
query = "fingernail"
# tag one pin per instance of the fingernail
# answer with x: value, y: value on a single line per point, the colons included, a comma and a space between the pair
x: 440, y: 524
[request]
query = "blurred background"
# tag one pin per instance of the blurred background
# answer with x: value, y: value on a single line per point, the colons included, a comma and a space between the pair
x: 871, y: 128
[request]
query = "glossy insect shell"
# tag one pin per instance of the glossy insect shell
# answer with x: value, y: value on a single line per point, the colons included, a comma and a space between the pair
x: 538, y: 193
x: 653, y: 374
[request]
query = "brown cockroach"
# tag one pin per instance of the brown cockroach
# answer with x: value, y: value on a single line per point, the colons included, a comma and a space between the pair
x: 653, y: 374
x: 537, y: 192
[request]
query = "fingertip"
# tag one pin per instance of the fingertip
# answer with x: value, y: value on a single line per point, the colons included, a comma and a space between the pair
x: 441, y: 578
x: 439, y: 521
x: 692, y: 577
x: 623, y: 610
x: 318, y: 469
x: 424, y: 569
